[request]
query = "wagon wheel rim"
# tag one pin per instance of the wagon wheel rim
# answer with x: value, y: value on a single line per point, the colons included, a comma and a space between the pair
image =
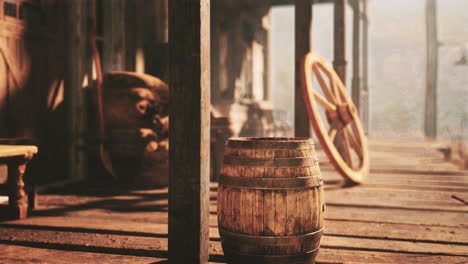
x: 341, y: 119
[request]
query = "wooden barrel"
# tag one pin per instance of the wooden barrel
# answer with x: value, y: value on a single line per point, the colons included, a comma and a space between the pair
x: 270, y: 201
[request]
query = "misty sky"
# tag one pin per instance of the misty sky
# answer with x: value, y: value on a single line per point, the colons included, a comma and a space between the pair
x: 397, y: 62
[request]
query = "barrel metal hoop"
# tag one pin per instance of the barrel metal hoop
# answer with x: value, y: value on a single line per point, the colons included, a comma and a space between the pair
x: 271, y: 162
x: 304, y: 258
x: 273, y: 145
x: 243, y: 244
x: 271, y: 183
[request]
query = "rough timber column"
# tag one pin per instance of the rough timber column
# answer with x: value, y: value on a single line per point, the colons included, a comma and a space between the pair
x: 339, y: 60
x: 339, y: 39
x: 365, y: 109
x: 75, y: 70
x: 114, y: 35
x: 189, y: 154
x: 302, y: 24
x: 430, y: 111
x: 356, y: 85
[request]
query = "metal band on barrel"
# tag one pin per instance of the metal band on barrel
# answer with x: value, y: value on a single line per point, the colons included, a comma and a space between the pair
x: 271, y: 183
x: 266, y: 144
x: 304, y: 258
x: 272, y: 163
x: 244, y: 244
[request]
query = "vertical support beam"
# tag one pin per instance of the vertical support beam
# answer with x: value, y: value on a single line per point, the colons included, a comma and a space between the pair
x: 339, y: 59
x: 161, y: 20
x: 339, y: 39
x: 302, y: 25
x: 215, y: 32
x: 114, y: 54
x: 365, y: 68
x: 430, y: 113
x: 74, y: 92
x: 189, y: 154
x: 356, y: 82
x: 266, y: 21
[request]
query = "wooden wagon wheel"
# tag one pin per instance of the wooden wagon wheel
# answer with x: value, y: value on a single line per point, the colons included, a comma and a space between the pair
x: 342, y: 126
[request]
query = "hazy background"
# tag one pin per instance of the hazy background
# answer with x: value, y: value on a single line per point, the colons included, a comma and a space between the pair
x: 397, y: 59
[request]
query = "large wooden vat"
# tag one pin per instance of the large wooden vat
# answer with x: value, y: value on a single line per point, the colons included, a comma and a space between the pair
x: 270, y: 201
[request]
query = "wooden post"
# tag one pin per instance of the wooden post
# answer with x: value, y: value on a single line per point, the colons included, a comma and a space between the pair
x: 339, y: 40
x: 74, y: 96
x: 356, y: 82
x: 339, y: 60
x: 430, y: 113
x: 302, y: 24
x: 189, y: 154
x: 114, y: 55
x: 365, y: 109
x: 215, y: 65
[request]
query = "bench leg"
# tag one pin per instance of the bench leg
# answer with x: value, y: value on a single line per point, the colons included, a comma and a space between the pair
x: 17, y: 200
x: 31, y: 191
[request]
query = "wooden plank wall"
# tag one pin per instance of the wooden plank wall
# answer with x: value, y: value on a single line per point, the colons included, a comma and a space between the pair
x: 189, y: 154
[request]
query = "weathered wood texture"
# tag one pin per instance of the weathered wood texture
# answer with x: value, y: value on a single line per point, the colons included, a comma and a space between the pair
x: 189, y: 154
x: 302, y: 28
x: 270, y: 201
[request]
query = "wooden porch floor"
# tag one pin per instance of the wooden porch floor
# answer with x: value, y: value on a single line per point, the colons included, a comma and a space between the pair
x: 412, y: 209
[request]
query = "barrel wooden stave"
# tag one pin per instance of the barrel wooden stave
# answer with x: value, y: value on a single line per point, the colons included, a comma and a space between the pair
x: 272, y: 212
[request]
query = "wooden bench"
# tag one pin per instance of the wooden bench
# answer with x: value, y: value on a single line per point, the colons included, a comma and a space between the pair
x: 16, y: 158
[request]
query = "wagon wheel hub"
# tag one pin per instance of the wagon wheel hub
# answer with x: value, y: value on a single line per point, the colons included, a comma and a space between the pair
x: 342, y: 116
x: 341, y: 135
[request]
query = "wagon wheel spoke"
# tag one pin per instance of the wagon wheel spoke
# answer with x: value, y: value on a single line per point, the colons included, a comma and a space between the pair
x: 345, y: 149
x: 356, y: 133
x: 352, y: 140
x: 324, y: 102
x: 323, y: 85
x: 332, y: 131
x: 333, y: 83
x: 335, y: 89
